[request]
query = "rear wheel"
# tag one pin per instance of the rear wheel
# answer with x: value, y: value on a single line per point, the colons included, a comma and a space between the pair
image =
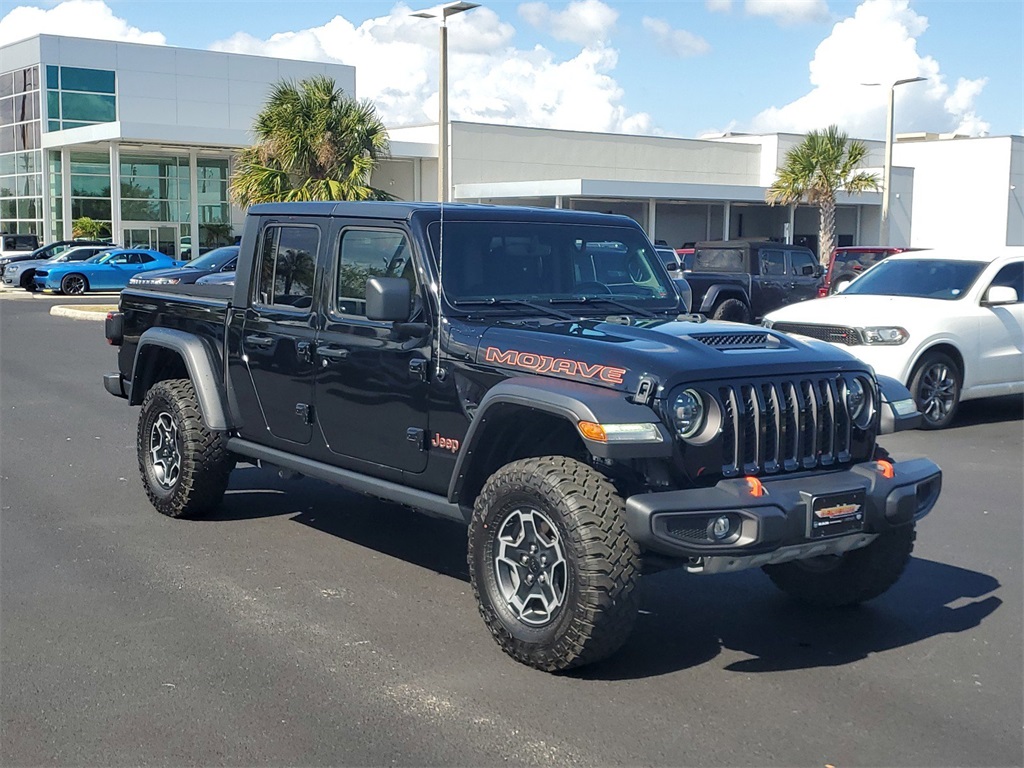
x: 936, y: 384
x: 733, y: 310
x: 74, y: 285
x: 184, y: 465
x: 832, y: 581
x: 552, y: 567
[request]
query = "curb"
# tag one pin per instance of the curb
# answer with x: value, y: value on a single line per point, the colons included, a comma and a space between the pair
x: 64, y: 310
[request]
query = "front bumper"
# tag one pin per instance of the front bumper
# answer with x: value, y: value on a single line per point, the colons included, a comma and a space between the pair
x: 778, y: 526
x: 115, y: 384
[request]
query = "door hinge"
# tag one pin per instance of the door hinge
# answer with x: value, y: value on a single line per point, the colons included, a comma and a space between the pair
x: 305, y: 412
x: 417, y: 436
x: 645, y: 391
x: 418, y: 368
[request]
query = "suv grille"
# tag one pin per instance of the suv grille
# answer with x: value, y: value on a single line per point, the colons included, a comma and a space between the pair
x: 837, y: 334
x: 782, y: 426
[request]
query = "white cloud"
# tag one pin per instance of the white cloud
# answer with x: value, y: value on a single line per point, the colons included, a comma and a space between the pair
x: 718, y: 6
x: 74, y: 18
x: 586, y: 22
x: 789, y: 11
x: 677, y: 42
x: 878, y: 44
x: 489, y: 79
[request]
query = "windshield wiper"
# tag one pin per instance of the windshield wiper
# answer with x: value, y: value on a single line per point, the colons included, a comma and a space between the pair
x: 607, y: 300
x: 496, y: 302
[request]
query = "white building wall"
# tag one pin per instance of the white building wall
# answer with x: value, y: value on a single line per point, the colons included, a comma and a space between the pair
x: 962, y: 190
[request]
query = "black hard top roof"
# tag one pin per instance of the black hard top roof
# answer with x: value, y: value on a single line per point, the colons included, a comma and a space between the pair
x: 431, y: 211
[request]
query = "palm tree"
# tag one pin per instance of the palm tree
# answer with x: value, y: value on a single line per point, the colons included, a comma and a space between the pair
x: 822, y: 165
x: 313, y: 142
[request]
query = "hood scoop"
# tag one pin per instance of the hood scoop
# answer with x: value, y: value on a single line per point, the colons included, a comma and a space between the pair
x: 747, y: 340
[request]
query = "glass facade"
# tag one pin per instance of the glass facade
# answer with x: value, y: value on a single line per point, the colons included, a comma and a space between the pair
x: 21, y: 166
x: 90, y: 187
x: 154, y: 188
x: 214, y: 206
x: 77, y: 97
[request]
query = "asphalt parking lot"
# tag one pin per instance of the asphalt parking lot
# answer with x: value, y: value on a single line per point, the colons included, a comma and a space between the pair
x: 303, y: 625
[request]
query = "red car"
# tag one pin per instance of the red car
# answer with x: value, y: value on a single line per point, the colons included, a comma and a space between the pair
x: 849, y: 261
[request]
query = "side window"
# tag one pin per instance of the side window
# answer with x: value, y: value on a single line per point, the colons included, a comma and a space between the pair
x: 773, y: 262
x: 367, y: 253
x: 287, y: 266
x: 1012, y: 276
x: 121, y: 258
x: 802, y: 264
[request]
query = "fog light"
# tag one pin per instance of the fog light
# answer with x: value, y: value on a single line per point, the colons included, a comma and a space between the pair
x: 720, y: 528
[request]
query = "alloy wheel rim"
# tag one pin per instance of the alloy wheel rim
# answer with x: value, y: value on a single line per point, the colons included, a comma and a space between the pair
x: 530, y: 566
x: 76, y: 285
x: 164, y: 451
x: 938, y: 392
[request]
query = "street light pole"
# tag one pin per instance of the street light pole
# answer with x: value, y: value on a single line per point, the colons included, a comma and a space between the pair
x: 443, y: 170
x: 883, y: 229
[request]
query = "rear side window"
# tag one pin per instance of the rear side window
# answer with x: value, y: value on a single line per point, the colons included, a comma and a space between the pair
x: 718, y: 260
x: 287, y: 266
x: 367, y: 253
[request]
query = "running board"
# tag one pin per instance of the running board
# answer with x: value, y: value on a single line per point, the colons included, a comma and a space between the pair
x: 430, y: 503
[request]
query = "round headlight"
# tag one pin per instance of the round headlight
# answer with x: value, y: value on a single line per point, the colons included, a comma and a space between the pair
x: 858, y: 403
x: 688, y: 413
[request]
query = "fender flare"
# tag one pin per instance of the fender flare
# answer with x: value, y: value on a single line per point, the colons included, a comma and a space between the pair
x: 897, y: 409
x: 725, y: 291
x: 202, y: 370
x: 568, y: 400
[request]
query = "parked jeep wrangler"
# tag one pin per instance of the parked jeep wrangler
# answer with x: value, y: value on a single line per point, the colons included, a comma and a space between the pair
x: 528, y: 373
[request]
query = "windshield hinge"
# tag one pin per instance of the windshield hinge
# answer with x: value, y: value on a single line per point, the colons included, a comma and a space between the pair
x: 645, y: 391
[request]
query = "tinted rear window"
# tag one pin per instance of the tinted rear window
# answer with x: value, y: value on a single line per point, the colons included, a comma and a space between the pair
x: 718, y: 260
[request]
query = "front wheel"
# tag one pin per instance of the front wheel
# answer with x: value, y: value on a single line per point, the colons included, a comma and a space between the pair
x: 184, y: 465
x: 552, y: 567
x: 831, y: 581
x: 935, y: 386
x: 74, y: 285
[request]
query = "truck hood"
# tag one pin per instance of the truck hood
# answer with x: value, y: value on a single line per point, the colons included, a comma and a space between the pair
x: 858, y: 311
x: 669, y: 352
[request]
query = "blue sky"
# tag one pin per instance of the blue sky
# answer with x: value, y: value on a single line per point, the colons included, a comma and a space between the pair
x: 682, y: 68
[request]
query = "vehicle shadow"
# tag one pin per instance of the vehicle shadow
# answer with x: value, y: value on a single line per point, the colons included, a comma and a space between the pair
x: 990, y: 411
x: 685, y: 620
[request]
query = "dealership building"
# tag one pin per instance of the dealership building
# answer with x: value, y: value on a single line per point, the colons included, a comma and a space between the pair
x: 143, y: 138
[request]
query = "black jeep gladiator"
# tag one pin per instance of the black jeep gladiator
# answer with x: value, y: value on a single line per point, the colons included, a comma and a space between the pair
x: 743, y: 280
x: 528, y: 373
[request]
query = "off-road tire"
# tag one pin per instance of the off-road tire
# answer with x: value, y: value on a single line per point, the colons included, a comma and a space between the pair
x: 602, y: 562
x: 832, y: 581
x: 74, y: 284
x: 204, y: 463
x: 733, y: 310
x: 936, y: 413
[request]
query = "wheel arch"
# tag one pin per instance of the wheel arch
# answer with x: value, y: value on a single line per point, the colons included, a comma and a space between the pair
x: 719, y: 293
x: 524, y: 417
x: 944, y: 347
x: 166, y: 353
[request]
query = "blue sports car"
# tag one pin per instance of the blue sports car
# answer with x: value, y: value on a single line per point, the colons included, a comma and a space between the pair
x: 107, y: 271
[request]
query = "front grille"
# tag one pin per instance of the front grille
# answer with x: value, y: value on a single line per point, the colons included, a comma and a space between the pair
x: 784, y: 426
x: 736, y: 340
x: 837, y: 334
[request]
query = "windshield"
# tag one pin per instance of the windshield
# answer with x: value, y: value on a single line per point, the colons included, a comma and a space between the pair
x: 100, y: 258
x: 544, y: 262
x: 944, y: 279
x: 215, y: 259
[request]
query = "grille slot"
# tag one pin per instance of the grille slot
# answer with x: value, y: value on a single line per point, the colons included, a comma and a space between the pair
x: 782, y: 426
x: 737, y: 340
x: 837, y: 334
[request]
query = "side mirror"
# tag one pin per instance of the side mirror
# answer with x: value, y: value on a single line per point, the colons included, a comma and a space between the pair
x: 388, y: 299
x: 808, y: 271
x: 819, y: 270
x: 997, y: 295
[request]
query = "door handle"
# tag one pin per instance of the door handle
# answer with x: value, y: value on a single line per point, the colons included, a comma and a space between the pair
x: 332, y: 353
x: 259, y: 341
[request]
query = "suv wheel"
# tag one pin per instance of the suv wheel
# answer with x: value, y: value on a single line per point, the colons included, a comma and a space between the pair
x: 733, y: 310
x: 935, y: 386
x: 831, y: 581
x: 184, y: 465
x: 553, y: 570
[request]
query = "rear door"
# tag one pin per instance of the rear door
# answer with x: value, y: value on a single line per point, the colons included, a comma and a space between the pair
x: 371, y: 380
x: 279, y: 328
x: 770, y: 290
x: 1001, y: 348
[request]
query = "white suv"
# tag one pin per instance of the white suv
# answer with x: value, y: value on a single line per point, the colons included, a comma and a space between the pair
x: 947, y: 323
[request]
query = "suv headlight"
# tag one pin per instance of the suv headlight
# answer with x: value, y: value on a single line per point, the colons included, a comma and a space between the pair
x: 688, y: 413
x: 860, y: 402
x: 155, y: 280
x: 885, y: 334
x: 10, y: 269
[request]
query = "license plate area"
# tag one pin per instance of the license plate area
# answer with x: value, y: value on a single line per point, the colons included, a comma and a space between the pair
x: 835, y: 514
